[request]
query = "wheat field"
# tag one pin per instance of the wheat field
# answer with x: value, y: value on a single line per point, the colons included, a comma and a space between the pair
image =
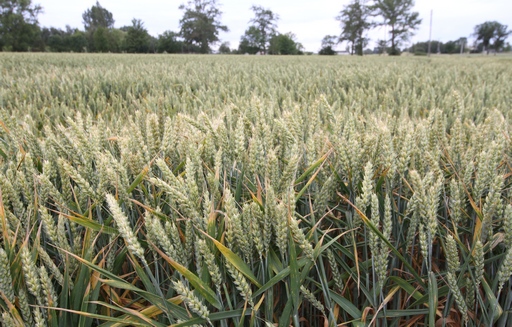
x: 180, y: 190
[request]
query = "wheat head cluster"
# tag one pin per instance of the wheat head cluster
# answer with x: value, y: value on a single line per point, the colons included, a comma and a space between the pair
x: 254, y: 191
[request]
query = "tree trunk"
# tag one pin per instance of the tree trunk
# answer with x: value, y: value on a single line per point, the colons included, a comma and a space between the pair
x: 359, y: 49
x: 393, y: 51
x: 204, y: 48
x: 359, y: 46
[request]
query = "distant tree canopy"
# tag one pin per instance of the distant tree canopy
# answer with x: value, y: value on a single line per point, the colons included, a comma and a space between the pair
x: 200, y: 25
x: 491, y: 35
x: 397, y: 15
x: 98, y: 24
x: 100, y: 39
x: 69, y: 40
x: 284, y: 44
x: 97, y: 17
x: 400, y: 19
x: 251, y: 41
x: 354, y: 20
x: 137, y: 38
x: 169, y: 42
x: 450, y: 47
x: 19, y: 29
x: 263, y: 28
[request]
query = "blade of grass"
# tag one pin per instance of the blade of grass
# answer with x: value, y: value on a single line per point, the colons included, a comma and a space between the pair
x: 118, y: 282
x: 217, y: 316
x: 294, y: 274
x: 195, y: 281
x: 432, y: 299
x: 130, y: 313
x: 235, y: 260
x: 140, y: 177
x: 374, y: 229
x: 346, y: 305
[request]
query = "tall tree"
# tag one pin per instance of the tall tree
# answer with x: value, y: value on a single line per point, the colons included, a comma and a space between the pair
x: 491, y: 31
x: 251, y: 41
x: 484, y: 33
x: 200, y: 25
x: 265, y: 21
x: 137, y: 38
x: 500, y: 35
x: 96, y: 17
x: 400, y: 18
x: 98, y: 23
x: 354, y: 20
x: 19, y: 29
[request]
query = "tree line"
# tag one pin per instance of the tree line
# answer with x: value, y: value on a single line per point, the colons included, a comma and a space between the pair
x: 360, y: 16
x: 490, y: 36
x: 201, y: 24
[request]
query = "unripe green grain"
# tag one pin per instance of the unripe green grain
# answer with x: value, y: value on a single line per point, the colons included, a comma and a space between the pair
x: 30, y: 272
x: 241, y: 283
x: 191, y: 300
x: 452, y: 255
x: 5, y: 276
x: 124, y: 228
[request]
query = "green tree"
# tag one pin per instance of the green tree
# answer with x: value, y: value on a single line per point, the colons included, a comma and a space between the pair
x: 78, y: 41
x: 354, y: 20
x: 56, y: 39
x: 398, y: 15
x: 168, y: 42
x: 68, y: 40
x: 200, y: 25
x: 328, y: 43
x: 98, y: 23
x: 117, y: 38
x: 101, y: 40
x: 500, y: 35
x: 284, y: 44
x: 265, y: 22
x: 224, y: 48
x: 251, y: 41
x: 137, y: 38
x: 97, y: 17
x: 19, y: 30
x: 450, y: 47
x: 485, y: 32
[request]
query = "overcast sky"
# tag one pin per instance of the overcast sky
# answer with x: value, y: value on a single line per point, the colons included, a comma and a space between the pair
x: 309, y: 20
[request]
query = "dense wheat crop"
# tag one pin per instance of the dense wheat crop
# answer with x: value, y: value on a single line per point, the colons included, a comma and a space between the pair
x: 252, y: 191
